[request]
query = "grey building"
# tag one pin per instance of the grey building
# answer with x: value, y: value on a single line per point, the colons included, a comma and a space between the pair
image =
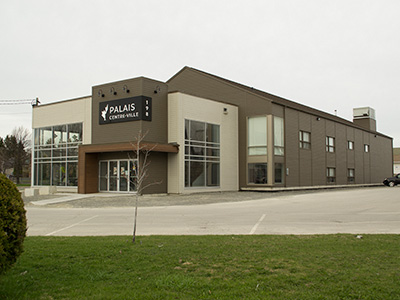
x: 206, y: 134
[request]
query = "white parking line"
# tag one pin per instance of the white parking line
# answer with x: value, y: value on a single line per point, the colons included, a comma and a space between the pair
x: 258, y: 223
x: 70, y: 226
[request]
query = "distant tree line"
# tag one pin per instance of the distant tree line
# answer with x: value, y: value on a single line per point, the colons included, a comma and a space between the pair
x: 15, y: 152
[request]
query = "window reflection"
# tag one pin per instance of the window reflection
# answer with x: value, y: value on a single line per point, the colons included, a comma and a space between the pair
x: 56, y: 154
x: 202, y: 149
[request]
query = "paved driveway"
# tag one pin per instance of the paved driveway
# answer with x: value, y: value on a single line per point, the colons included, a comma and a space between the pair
x: 356, y: 211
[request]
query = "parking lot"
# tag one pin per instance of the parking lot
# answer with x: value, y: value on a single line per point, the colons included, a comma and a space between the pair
x: 356, y: 211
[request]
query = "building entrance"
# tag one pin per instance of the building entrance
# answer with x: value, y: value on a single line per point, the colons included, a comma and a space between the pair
x: 117, y: 176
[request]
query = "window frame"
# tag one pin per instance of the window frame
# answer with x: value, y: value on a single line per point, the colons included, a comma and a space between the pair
x: 205, y: 152
x: 252, y: 147
x: 351, y: 177
x: 330, y: 147
x: 306, y: 145
x: 350, y: 145
x: 279, y: 135
x: 330, y: 179
x: 55, y: 155
x: 257, y: 168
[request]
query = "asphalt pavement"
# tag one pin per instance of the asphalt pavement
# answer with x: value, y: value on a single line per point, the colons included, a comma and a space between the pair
x: 356, y: 211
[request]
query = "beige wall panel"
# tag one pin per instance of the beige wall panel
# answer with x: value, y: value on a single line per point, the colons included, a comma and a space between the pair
x: 175, y: 135
x: 183, y: 107
x: 66, y: 112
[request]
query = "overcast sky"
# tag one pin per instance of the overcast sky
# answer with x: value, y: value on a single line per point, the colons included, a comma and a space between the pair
x: 330, y: 55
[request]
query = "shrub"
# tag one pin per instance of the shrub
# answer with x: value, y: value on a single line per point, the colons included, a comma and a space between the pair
x: 12, y: 223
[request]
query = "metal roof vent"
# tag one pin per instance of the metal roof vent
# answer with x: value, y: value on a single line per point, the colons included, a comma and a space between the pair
x: 363, y: 113
x: 365, y: 117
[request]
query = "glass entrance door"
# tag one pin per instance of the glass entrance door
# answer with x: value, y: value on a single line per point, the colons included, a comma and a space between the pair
x: 117, y: 176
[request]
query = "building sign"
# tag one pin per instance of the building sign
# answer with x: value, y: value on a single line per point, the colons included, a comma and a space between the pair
x: 125, y: 110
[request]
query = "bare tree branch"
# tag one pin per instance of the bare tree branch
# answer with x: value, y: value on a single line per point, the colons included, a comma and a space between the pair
x: 141, y: 171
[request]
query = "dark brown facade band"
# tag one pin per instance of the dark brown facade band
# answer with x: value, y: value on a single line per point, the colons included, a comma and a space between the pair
x: 88, y: 161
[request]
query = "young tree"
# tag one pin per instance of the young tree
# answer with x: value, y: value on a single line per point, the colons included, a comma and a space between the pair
x: 15, y: 151
x: 142, y: 151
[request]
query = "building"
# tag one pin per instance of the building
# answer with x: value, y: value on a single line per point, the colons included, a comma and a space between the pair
x: 396, y: 160
x: 206, y: 134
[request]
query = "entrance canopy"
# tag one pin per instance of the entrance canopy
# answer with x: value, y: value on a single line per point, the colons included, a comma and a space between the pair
x: 169, y: 148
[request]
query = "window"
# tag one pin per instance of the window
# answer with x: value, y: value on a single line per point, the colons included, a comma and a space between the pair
x: 350, y: 145
x: 305, y: 140
x: 350, y: 175
x: 330, y: 175
x: 258, y: 173
x: 202, y: 154
x: 366, y: 148
x: 330, y: 144
x: 278, y: 173
x: 279, y: 136
x: 257, y: 135
x: 55, y: 155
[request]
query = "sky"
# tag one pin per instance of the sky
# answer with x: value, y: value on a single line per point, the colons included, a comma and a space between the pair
x: 329, y: 55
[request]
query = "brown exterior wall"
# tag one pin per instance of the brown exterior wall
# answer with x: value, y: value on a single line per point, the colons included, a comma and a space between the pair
x: 308, y: 167
x: 88, y: 168
x: 305, y: 167
x: 112, y: 141
x: 156, y: 129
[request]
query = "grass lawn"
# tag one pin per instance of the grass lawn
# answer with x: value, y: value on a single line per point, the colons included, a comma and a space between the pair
x: 206, y: 267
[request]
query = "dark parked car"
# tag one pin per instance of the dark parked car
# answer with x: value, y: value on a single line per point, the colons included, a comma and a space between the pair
x: 392, y: 181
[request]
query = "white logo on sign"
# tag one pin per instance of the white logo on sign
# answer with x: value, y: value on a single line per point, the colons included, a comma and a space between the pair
x: 104, y: 113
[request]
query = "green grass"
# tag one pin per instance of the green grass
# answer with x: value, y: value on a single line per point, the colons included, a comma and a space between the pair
x: 206, y: 267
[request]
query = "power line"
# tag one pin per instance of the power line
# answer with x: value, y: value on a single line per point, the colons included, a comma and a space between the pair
x: 18, y: 102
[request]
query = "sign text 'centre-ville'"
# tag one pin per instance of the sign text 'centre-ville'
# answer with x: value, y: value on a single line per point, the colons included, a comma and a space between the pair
x: 125, y: 110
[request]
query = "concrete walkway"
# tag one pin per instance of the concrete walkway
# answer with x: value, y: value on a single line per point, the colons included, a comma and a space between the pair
x: 60, y: 199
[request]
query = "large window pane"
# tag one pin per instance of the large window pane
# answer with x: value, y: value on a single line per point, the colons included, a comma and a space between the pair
x: 278, y: 173
x: 72, y: 173
x: 37, y: 136
x: 197, y: 131
x: 278, y: 136
x: 133, y: 166
x: 45, y: 136
x: 212, y: 133
x: 59, y: 175
x: 44, y: 174
x: 58, y: 144
x: 75, y: 133
x: 202, y: 149
x: 258, y: 173
x: 212, y: 174
x: 257, y: 135
x: 60, y: 134
x: 197, y: 174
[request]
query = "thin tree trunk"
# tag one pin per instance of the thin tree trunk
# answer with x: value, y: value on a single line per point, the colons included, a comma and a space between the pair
x: 134, y: 223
